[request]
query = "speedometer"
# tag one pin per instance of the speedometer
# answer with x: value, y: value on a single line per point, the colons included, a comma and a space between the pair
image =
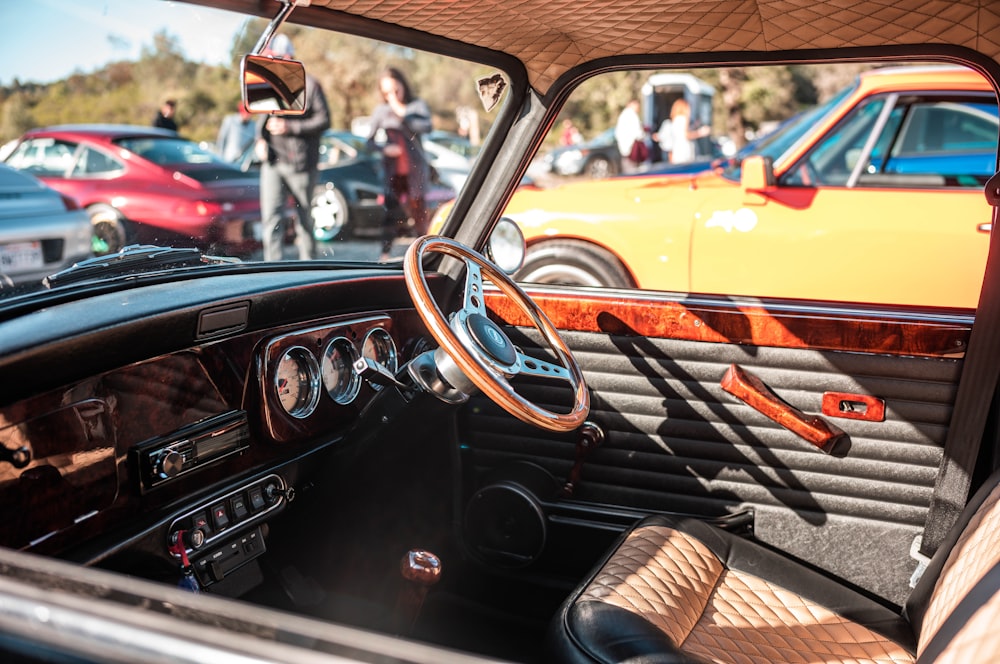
x: 339, y: 378
x: 296, y: 382
x: 379, y: 347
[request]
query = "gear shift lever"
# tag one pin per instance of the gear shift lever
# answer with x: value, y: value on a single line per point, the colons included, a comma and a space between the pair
x: 420, y: 569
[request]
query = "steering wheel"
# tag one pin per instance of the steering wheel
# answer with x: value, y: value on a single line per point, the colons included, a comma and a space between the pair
x: 480, y: 348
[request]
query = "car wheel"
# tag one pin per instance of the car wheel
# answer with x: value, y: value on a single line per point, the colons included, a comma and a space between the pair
x: 600, y: 167
x: 330, y: 214
x: 110, y: 232
x: 573, y: 263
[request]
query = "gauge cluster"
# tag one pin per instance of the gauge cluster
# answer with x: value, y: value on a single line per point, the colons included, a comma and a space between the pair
x: 296, y: 382
x: 308, y: 377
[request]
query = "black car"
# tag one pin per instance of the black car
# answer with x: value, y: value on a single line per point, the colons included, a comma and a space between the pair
x: 349, y: 201
x: 350, y: 192
x: 598, y: 157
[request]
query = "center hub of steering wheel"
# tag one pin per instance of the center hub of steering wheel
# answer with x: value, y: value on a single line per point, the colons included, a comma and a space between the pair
x: 489, y: 337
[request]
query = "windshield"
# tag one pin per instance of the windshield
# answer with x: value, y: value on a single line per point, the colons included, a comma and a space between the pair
x: 783, y: 139
x: 147, y: 143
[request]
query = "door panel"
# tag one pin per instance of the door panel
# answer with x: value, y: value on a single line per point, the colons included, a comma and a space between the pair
x: 931, y: 254
x: 675, y: 441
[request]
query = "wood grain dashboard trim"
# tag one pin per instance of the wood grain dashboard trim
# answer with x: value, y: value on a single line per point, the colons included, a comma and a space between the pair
x: 723, y: 321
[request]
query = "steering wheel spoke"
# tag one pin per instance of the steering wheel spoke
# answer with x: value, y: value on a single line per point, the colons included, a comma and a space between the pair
x: 472, y: 300
x: 478, y: 352
x: 532, y: 366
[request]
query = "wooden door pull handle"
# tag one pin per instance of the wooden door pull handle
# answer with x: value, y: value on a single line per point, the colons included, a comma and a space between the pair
x: 751, y: 390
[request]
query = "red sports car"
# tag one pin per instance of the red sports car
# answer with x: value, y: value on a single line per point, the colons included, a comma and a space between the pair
x: 147, y: 185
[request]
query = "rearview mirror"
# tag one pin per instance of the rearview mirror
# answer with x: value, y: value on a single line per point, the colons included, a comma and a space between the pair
x: 273, y: 85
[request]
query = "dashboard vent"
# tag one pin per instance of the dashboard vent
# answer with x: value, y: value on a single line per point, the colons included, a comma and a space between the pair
x: 226, y: 319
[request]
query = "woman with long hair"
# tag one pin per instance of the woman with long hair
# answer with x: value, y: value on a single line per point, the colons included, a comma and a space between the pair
x: 396, y: 126
x: 682, y: 148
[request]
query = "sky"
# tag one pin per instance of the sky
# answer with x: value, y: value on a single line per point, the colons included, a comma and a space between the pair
x: 37, y: 35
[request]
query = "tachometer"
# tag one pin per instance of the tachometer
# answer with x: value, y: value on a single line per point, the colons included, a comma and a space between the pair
x: 339, y: 378
x: 296, y: 382
x: 379, y: 347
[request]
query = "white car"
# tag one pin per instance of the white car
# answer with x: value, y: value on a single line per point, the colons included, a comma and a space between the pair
x: 452, y: 168
x: 41, y: 231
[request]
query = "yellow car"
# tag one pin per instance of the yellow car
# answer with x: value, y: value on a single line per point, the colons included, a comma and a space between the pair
x: 818, y: 210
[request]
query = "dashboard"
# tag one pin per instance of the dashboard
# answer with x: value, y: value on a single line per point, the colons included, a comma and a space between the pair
x: 182, y: 428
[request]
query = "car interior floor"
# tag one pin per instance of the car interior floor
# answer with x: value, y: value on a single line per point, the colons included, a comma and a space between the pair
x: 336, y: 556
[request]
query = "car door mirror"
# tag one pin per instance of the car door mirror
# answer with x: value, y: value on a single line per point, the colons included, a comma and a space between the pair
x: 273, y: 85
x: 756, y: 173
x: 506, y: 246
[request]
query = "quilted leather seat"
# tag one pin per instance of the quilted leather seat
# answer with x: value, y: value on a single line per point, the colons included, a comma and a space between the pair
x: 678, y: 590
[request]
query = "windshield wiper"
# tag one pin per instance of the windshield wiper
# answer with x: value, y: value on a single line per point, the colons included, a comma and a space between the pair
x: 133, y: 259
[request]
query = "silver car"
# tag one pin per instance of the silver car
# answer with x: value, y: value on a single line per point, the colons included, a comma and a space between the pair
x: 41, y: 231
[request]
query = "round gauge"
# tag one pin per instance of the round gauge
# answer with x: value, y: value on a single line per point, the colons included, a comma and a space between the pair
x: 296, y: 382
x: 379, y: 347
x: 339, y: 378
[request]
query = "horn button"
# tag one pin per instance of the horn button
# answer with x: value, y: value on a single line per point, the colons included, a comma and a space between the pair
x: 490, y: 338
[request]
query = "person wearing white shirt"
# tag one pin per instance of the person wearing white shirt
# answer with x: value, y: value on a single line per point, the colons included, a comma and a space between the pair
x: 682, y: 136
x: 628, y: 130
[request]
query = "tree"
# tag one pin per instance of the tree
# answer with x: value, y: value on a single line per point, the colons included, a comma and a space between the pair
x: 731, y: 80
x: 348, y: 68
x: 16, y: 117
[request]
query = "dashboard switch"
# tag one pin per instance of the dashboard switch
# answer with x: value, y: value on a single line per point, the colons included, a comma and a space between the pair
x: 257, y: 502
x: 199, y: 521
x: 240, y: 510
x: 253, y: 543
x: 220, y: 516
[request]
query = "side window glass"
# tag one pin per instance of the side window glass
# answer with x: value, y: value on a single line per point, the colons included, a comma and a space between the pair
x: 834, y: 158
x: 954, y: 140
x: 858, y: 183
x: 44, y: 158
x: 93, y: 162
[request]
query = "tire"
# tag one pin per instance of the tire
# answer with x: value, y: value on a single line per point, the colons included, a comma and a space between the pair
x: 330, y: 214
x: 109, y: 228
x: 573, y: 263
x: 599, y: 168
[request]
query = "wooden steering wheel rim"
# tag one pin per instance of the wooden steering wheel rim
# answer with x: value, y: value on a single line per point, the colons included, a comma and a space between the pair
x: 472, y: 365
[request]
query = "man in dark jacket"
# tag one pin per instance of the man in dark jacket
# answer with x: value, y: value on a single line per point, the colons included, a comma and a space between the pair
x: 165, y: 117
x: 289, y: 152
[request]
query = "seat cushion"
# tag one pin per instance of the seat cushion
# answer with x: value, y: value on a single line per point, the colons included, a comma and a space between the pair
x: 679, y: 590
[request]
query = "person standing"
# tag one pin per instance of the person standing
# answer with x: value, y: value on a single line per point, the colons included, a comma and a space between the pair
x: 289, y: 150
x: 628, y: 132
x: 683, y: 136
x: 665, y: 139
x: 236, y: 133
x: 570, y: 134
x: 396, y: 126
x: 165, y: 116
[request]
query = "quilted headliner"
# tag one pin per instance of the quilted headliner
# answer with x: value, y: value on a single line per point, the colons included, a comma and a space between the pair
x: 551, y: 36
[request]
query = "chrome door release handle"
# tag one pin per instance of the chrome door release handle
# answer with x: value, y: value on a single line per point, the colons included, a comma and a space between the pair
x: 984, y: 228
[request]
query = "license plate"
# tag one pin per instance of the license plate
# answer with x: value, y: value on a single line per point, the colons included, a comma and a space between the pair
x: 21, y: 257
